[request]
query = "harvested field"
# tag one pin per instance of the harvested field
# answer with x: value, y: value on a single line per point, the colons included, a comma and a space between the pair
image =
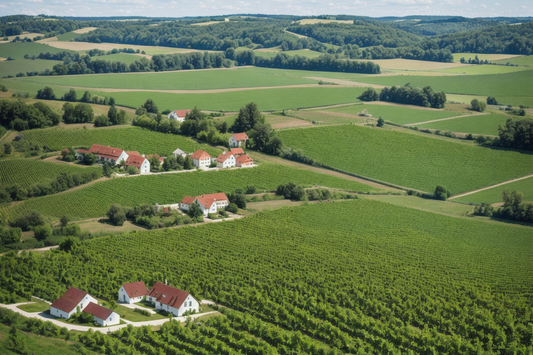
x: 280, y: 122
x: 85, y: 46
x: 85, y: 30
x: 314, y: 21
x: 22, y: 36
x: 481, y: 56
x: 409, y: 64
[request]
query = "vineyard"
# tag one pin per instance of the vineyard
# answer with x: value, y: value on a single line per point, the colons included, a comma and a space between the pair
x: 494, y: 195
x: 357, y: 275
x: 408, y: 160
x: 481, y: 124
x: 94, y: 200
x: 127, y: 138
x: 25, y: 172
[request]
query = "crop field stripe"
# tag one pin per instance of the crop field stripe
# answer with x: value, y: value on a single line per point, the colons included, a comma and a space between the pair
x: 494, y: 194
x: 94, y: 200
x: 408, y: 160
x: 475, y: 124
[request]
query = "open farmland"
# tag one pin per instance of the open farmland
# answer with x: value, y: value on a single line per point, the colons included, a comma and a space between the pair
x: 121, y: 57
x: 14, y: 67
x: 407, y: 160
x: 483, y: 56
x: 69, y: 36
x: 17, y: 50
x: 524, y: 60
x: 85, y: 46
x: 494, y: 195
x: 417, y: 65
x: 127, y: 138
x: 485, y: 69
x: 26, y: 172
x: 395, y: 113
x: 302, y: 52
x: 369, y: 258
x: 94, y: 200
x: 180, y: 80
x: 479, y: 124
x: 512, y: 88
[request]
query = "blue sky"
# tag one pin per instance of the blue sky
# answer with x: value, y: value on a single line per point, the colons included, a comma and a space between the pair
x: 377, y: 8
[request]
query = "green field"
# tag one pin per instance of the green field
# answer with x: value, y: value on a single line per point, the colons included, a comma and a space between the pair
x: 396, y: 114
x: 13, y: 67
x: 494, y: 195
x: 481, y: 56
x: 301, y: 52
x: 127, y: 138
x: 484, y: 69
x: 27, y: 172
x: 266, y: 99
x: 356, y: 275
x: 512, y: 88
x: 17, y: 50
x: 181, y: 80
x: 525, y: 60
x: 94, y: 200
x: 36, y: 306
x: 482, y: 124
x: 121, y: 57
x: 408, y: 160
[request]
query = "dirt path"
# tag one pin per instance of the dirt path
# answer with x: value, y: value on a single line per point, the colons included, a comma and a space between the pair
x: 444, y: 119
x: 342, y: 82
x: 490, y: 187
x: 294, y: 164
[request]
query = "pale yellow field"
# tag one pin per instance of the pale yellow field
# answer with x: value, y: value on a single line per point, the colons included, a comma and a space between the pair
x: 464, y: 99
x: 85, y: 30
x: 296, y: 34
x: 313, y: 21
x: 272, y: 49
x: 84, y: 46
x: 46, y: 40
x: 24, y: 35
x: 409, y: 64
x: 457, y: 56
x: 206, y: 23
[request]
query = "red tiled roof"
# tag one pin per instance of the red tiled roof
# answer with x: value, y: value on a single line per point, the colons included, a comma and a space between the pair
x: 236, y: 151
x: 135, y: 289
x: 135, y: 160
x: 133, y: 152
x: 200, y: 155
x: 181, y: 113
x: 170, y: 296
x: 69, y: 300
x: 106, y: 152
x: 83, y: 151
x: 244, y: 159
x: 240, y: 136
x: 208, y: 200
x: 188, y: 200
x: 165, y: 210
x: 222, y: 157
x: 97, y: 311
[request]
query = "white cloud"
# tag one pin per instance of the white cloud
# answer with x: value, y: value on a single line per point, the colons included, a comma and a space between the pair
x: 496, y: 4
x: 483, y: 6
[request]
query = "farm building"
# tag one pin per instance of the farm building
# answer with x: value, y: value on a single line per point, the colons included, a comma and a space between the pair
x: 237, y: 140
x: 172, y: 300
x: 115, y: 156
x: 178, y: 115
x: 225, y: 160
x: 201, y: 159
x: 139, y: 162
x: 132, y: 292
x: 102, y: 316
x: 237, y: 151
x: 179, y: 152
x: 66, y: 305
x: 243, y: 161
x: 210, y: 203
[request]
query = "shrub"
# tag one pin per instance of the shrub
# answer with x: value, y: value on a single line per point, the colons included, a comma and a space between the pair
x: 43, y: 232
x: 144, y: 312
x: 232, y: 208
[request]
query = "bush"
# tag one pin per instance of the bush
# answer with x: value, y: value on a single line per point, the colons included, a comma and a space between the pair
x: 43, y: 232
x: 232, y: 208
x: 132, y: 170
x: 116, y: 214
x: 144, y: 312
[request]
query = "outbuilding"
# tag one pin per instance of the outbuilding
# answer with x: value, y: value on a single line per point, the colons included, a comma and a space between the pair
x: 68, y: 304
x: 102, y: 316
x: 237, y: 140
x: 178, y: 115
x: 172, y: 299
x: 132, y: 292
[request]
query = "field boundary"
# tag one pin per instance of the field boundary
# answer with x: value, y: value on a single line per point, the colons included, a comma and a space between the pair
x: 490, y: 187
x: 444, y: 119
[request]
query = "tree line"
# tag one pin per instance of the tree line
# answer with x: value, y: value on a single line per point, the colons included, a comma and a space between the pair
x: 19, y: 116
x: 16, y: 25
x: 513, y: 208
x: 407, y: 94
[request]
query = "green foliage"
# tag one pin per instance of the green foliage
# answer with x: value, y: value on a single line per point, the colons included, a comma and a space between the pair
x: 19, y: 116
x: 491, y: 100
x: 381, y: 122
x: 369, y: 95
x: 441, y: 193
x: 195, y: 211
x: 46, y: 94
x: 150, y: 106
x: 484, y: 209
x: 291, y: 191
x: 232, y: 207
x: 427, y: 159
x: 477, y: 105
x: 43, y: 232
x: 116, y: 214
x: 18, y: 50
x: 16, y: 341
x: 248, y: 117
x: 407, y: 94
x: 70, y: 96
x: 144, y: 312
x: 517, y: 133
x: 513, y: 208
x: 28, y: 219
x: 9, y: 235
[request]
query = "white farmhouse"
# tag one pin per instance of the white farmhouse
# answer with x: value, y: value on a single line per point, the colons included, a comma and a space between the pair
x: 66, y: 305
x: 108, y: 154
x: 237, y: 140
x: 139, y: 162
x: 178, y: 115
x: 132, y: 292
x: 210, y: 203
x: 102, y: 316
x: 201, y: 159
x: 225, y: 160
x: 172, y: 300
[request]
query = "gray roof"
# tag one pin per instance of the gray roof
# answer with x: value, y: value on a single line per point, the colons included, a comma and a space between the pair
x: 179, y: 151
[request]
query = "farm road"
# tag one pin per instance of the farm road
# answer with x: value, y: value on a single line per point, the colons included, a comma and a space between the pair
x: 490, y: 187
x: 444, y: 119
x: 46, y: 317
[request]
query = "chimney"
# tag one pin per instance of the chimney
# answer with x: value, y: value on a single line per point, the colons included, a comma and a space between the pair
x: 224, y: 153
x: 165, y: 281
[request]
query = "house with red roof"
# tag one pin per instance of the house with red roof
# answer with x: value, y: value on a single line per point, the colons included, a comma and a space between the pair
x: 66, y: 305
x: 102, y: 316
x: 201, y: 159
x: 178, y: 115
x: 172, y: 299
x: 243, y: 161
x: 210, y: 203
x: 108, y: 154
x: 225, y: 160
x: 139, y: 162
x: 236, y: 151
x: 132, y: 292
x: 238, y: 140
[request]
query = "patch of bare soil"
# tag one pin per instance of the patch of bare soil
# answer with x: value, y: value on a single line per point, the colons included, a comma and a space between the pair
x: 85, y: 30
x: 291, y: 123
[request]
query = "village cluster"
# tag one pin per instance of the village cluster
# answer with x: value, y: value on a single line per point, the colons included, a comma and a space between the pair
x: 236, y: 157
x: 162, y: 296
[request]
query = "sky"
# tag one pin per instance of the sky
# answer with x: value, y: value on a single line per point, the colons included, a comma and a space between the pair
x: 166, y: 8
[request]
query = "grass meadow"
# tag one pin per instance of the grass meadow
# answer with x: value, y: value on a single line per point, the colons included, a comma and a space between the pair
x: 121, y: 57
x: 94, y: 200
x: 127, y: 138
x: 302, y: 52
x: 510, y: 89
x: 27, y: 172
x: 524, y: 60
x: 407, y: 160
x: 482, y: 56
x: 13, y: 67
x: 396, y: 114
x: 480, y: 124
x: 17, y: 50
x: 494, y: 195
x: 485, y: 69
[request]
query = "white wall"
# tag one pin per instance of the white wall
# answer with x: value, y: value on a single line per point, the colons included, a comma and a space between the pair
x: 145, y: 166
x: 60, y: 314
x: 211, y: 209
x: 113, y: 319
x: 122, y: 293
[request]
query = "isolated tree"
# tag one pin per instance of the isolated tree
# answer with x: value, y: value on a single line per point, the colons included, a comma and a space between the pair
x: 491, y: 100
x: 83, y: 113
x: 381, y: 122
x: 150, y: 106
x: 477, y: 105
x: 89, y: 159
x: 116, y: 214
x: 248, y: 117
x: 43, y: 232
x: 68, y: 113
x: 232, y: 208
x: 63, y: 220
x: 8, y: 148
x: 441, y: 193
x: 46, y: 94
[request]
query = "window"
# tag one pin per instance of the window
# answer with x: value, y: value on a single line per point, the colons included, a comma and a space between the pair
x: 190, y: 303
